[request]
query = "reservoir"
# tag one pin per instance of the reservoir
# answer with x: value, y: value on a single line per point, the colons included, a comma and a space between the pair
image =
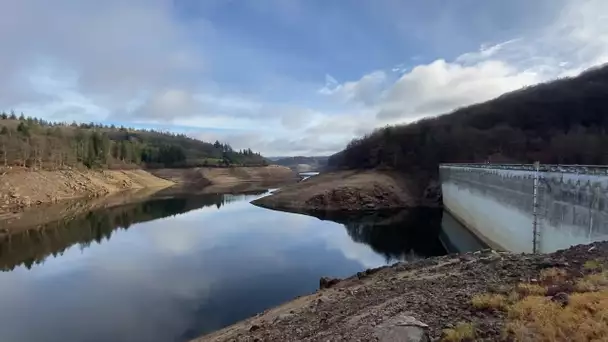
x: 171, y: 269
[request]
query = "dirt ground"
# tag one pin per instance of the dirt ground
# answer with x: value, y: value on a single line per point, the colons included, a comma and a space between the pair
x: 343, y: 190
x: 23, y: 188
x: 204, y: 176
x: 439, y: 292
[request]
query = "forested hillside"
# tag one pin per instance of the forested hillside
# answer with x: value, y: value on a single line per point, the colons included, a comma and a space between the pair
x: 564, y: 121
x: 32, y: 142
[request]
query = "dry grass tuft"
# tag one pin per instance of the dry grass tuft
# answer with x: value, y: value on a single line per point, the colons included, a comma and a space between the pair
x: 525, y: 289
x: 489, y: 301
x: 537, y: 318
x: 592, y: 282
x: 461, y: 333
x: 592, y: 265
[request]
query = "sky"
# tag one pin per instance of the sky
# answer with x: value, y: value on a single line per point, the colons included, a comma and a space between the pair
x: 284, y: 77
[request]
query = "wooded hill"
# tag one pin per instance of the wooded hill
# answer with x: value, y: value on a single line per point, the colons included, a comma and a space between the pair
x: 32, y: 142
x: 564, y: 121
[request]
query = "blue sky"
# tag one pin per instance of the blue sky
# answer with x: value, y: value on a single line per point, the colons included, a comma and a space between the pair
x: 284, y: 77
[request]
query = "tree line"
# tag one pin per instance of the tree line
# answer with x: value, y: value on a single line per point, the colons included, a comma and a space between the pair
x: 560, y: 122
x: 34, y: 142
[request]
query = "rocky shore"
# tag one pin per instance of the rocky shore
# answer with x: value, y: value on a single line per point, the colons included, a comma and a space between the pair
x: 480, y: 296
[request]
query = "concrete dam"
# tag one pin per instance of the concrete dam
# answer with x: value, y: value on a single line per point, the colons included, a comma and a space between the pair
x: 528, y: 208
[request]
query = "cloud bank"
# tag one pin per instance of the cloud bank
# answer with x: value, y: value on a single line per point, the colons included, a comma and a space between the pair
x: 265, y: 76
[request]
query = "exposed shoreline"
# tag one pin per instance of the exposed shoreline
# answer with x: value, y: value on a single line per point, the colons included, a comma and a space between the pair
x: 33, y: 191
x: 24, y: 188
x: 351, y: 191
x: 439, y: 293
x: 225, y: 176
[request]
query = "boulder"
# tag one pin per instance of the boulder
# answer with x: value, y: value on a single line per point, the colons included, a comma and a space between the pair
x: 402, y: 328
x: 326, y: 282
x: 561, y: 298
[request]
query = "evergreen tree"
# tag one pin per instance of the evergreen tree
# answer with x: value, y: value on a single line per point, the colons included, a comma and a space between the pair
x: 23, y: 129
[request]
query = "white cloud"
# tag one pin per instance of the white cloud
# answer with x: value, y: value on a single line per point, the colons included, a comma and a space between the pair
x: 167, y: 104
x: 440, y: 87
x: 136, y: 61
x: 365, y: 90
x: 116, y: 50
x: 575, y: 41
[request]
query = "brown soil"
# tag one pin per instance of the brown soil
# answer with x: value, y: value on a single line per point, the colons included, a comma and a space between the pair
x: 343, y: 190
x: 436, y: 291
x: 226, y: 176
x: 22, y: 188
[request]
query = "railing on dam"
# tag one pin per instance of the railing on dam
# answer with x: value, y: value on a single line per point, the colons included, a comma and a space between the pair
x: 529, y: 207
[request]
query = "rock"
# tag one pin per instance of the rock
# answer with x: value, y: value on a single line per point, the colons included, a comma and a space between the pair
x: 466, y: 258
x: 402, y: 328
x: 326, y: 282
x: 561, y: 298
x: 254, y: 328
x: 548, y: 263
x: 556, y: 289
x: 282, y: 317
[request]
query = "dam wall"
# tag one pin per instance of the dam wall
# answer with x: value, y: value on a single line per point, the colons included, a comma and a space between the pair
x: 528, y: 208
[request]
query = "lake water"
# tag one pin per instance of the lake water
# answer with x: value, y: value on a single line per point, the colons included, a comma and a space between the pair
x: 175, y: 268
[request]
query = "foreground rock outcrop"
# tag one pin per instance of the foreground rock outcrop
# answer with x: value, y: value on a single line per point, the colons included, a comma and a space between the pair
x: 344, y: 191
x: 481, y: 296
x: 22, y: 188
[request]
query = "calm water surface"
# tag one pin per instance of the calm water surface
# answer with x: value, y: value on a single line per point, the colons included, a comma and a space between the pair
x: 173, y: 269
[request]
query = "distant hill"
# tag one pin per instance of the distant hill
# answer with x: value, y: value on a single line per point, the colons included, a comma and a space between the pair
x: 564, y: 121
x: 32, y: 142
x: 303, y: 164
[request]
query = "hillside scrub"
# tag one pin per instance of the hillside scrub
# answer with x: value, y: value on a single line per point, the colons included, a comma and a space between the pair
x: 562, y: 122
x: 33, y: 142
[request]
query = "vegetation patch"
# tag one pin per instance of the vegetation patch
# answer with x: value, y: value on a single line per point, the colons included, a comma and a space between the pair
x: 537, y: 312
x: 593, y: 265
x: 526, y: 289
x: 489, y: 301
x: 460, y: 333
